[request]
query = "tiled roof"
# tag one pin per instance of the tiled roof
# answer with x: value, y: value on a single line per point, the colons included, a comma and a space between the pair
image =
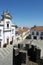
x: 24, y: 29
x: 39, y: 28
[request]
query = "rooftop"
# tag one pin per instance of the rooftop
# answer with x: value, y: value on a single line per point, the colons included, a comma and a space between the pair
x: 39, y: 28
x: 24, y: 29
x: 6, y: 14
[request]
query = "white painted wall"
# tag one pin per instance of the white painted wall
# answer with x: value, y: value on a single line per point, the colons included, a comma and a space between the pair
x: 38, y: 36
x: 13, y: 32
x: 6, y: 32
x: 7, y: 35
x: 5, y: 23
x: 1, y: 37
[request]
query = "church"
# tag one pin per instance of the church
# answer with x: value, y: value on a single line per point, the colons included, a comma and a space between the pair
x: 7, y: 29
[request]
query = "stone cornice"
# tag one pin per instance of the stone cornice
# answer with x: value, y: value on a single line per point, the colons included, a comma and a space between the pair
x: 7, y: 30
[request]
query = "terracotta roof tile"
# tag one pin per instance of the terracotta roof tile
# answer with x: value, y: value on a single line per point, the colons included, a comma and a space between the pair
x: 37, y: 28
x: 24, y: 29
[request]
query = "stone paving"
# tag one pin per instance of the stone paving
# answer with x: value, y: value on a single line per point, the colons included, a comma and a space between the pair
x: 38, y: 43
x: 6, y: 56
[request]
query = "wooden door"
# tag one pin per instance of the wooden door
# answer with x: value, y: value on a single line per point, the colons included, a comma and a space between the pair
x: 7, y: 41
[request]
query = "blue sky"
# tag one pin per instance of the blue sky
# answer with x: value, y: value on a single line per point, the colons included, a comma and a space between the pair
x: 24, y: 12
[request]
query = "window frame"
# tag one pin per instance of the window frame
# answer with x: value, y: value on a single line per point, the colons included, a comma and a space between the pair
x: 41, y: 33
x: 32, y: 33
x: 8, y: 24
x: 37, y: 33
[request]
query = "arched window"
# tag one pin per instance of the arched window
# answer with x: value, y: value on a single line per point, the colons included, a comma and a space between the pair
x: 7, y: 24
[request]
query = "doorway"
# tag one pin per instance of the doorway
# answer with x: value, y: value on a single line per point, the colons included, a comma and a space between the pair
x: 35, y: 37
x: 7, y: 41
x: 41, y: 38
x: 12, y: 39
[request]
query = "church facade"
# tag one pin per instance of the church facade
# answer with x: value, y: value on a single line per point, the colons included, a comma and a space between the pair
x: 7, y: 29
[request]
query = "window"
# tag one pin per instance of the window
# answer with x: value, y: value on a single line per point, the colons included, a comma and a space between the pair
x: 37, y: 33
x: 41, y: 33
x: 32, y: 33
x: 7, y: 25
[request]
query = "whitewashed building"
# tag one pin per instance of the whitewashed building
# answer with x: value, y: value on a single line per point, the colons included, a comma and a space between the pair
x: 37, y: 32
x: 7, y: 29
x: 22, y: 32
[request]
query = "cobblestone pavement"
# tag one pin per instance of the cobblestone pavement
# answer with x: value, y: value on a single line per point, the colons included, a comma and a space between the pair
x: 38, y: 43
x: 6, y: 56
